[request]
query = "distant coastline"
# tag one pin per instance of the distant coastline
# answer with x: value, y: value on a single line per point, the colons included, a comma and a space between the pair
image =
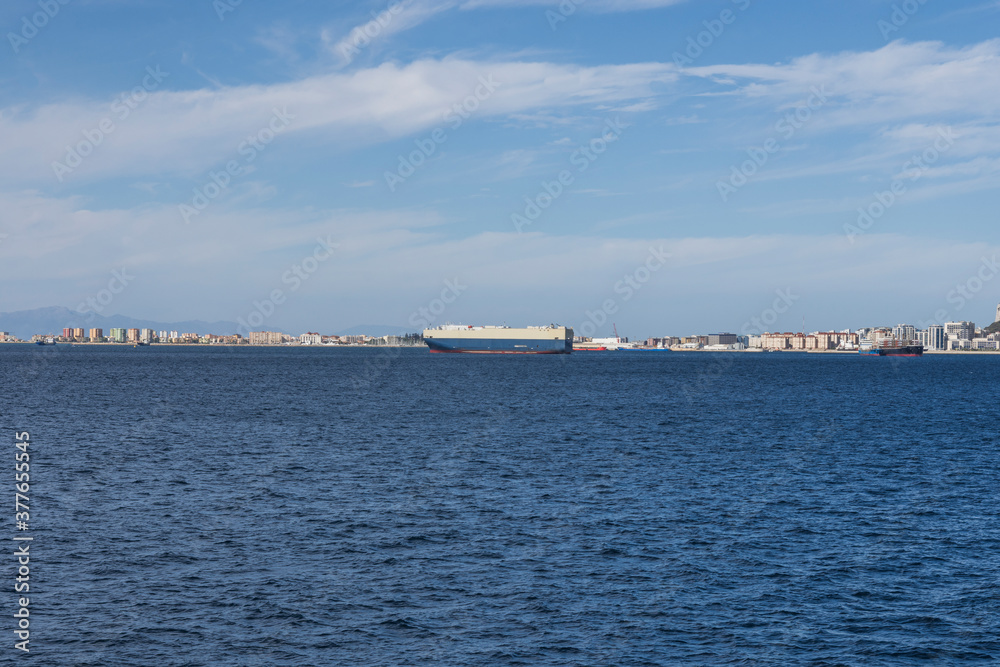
x: 369, y: 346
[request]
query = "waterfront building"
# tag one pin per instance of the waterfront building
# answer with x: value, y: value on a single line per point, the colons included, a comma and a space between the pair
x: 173, y: 336
x: 266, y: 338
x: 936, y: 338
x: 904, y: 332
x: 118, y: 335
x: 311, y: 339
x: 960, y: 330
x: 774, y: 341
x: 96, y: 335
x: 78, y: 333
x: 146, y: 336
x: 133, y: 335
x: 722, y: 339
x: 162, y: 335
x: 68, y: 333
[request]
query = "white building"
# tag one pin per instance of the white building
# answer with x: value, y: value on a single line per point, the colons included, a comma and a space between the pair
x: 904, y: 332
x: 960, y: 330
x: 935, y: 338
x: 984, y: 344
x: 311, y: 339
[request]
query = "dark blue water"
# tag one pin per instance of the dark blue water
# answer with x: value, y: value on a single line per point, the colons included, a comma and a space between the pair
x: 361, y: 507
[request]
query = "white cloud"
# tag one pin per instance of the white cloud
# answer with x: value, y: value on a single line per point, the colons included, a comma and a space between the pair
x: 394, y: 18
x: 213, y: 270
x: 400, y: 16
x: 583, y: 5
x: 187, y: 132
x: 899, y: 82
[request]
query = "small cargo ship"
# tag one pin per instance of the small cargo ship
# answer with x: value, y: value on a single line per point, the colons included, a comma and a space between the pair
x: 892, y: 348
x: 550, y: 339
x: 589, y: 347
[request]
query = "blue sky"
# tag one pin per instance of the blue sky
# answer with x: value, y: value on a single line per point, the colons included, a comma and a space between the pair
x: 207, y: 146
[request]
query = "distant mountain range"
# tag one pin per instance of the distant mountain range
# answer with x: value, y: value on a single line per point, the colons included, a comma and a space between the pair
x: 26, y: 323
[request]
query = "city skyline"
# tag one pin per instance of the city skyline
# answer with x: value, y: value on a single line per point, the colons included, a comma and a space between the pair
x: 661, y: 165
x: 933, y: 335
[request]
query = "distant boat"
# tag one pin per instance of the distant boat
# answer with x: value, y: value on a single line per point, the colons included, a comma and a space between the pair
x: 892, y: 348
x: 45, y: 341
x: 589, y: 347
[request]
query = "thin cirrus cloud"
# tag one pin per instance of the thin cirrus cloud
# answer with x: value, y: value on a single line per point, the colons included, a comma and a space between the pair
x: 880, y: 109
x: 402, y: 16
x: 190, y: 131
x: 898, y: 81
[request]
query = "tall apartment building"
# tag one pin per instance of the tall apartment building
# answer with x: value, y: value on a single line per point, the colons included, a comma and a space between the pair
x: 67, y: 333
x: 96, y: 335
x: 78, y: 333
x: 936, y: 338
x: 722, y: 339
x: 904, y: 332
x: 960, y: 330
x: 146, y: 335
x: 118, y: 335
x: 266, y: 338
x: 133, y: 335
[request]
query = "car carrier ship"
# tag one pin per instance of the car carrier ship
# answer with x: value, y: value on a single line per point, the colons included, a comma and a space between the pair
x: 551, y: 339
